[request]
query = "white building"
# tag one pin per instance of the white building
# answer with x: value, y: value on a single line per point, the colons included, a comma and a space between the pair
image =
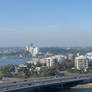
x: 60, y: 58
x: 32, y: 49
x: 81, y: 63
x: 34, y: 61
x: 70, y: 56
x: 28, y: 47
x: 50, y: 61
x: 89, y: 56
x: 35, y: 51
x: 22, y: 66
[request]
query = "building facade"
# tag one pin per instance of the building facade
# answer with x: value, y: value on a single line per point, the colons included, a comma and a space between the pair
x: 33, y: 50
x: 81, y: 63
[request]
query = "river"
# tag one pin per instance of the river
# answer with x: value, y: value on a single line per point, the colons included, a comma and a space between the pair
x: 15, y: 61
x: 77, y: 90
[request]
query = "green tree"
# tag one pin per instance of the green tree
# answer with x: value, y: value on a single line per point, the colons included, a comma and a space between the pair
x: 7, y: 70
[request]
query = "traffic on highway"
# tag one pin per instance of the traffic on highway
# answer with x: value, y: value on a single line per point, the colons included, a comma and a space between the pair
x: 6, y: 87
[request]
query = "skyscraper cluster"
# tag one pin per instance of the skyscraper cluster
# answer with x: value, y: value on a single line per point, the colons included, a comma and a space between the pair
x: 32, y: 49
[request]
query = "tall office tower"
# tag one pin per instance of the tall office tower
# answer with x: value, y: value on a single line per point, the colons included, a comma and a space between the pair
x: 32, y: 49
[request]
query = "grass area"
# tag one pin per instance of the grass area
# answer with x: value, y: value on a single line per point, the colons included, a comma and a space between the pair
x: 66, y: 73
x: 1, y: 74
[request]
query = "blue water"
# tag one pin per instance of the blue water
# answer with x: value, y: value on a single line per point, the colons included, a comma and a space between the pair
x: 77, y: 90
x: 14, y: 61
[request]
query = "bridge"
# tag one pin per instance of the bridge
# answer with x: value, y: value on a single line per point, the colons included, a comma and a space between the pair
x: 43, y: 84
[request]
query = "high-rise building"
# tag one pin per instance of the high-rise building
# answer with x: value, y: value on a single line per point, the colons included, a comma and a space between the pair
x: 28, y: 47
x: 81, y: 63
x: 32, y: 49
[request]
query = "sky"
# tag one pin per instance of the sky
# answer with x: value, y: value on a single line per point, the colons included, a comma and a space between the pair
x: 45, y: 22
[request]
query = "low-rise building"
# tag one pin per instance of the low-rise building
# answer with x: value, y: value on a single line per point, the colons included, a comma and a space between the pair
x: 34, y: 61
x: 89, y: 56
x: 42, y: 61
x: 60, y: 58
x: 70, y: 56
x: 22, y: 66
x: 50, y: 61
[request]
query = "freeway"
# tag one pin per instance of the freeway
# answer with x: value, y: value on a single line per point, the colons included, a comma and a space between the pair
x: 6, y: 87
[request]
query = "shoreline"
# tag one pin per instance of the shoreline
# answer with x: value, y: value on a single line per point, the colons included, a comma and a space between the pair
x: 83, y: 86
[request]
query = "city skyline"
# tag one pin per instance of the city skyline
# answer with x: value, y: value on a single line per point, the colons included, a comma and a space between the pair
x: 45, y: 23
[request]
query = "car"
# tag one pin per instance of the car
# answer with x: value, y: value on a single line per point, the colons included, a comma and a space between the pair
x: 25, y: 80
x: 5, y: 89
x: 14, y: 82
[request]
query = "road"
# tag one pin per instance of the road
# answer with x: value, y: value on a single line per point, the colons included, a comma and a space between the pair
x: 5, y: 87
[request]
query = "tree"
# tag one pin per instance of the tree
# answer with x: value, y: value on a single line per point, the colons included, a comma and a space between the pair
x: 7, y: 70
x: 44, y: 72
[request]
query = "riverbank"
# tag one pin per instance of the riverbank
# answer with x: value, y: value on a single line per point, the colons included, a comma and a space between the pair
x: 83, y: 86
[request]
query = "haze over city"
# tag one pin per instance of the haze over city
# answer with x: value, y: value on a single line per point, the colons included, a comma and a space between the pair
x: 45, y: 45
x: 45, y: 22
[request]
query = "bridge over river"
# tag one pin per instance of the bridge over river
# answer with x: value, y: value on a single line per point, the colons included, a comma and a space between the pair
x: 43, y: 84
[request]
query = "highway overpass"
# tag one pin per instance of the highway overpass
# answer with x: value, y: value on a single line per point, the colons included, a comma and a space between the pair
x: 43, y: 84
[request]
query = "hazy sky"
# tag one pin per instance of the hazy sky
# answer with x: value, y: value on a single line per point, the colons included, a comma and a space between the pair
x: 46, y: 22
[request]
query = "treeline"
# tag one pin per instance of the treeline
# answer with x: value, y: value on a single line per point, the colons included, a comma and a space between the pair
x: 10, y: 70
x: 61, y: 50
